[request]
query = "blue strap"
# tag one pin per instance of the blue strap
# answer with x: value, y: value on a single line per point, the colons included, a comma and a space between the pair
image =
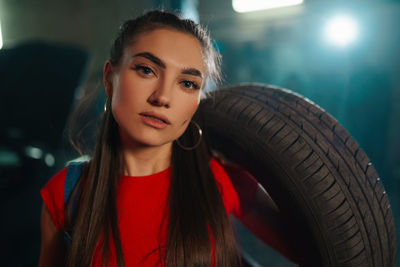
x: 71, y: 179
x: 73, y: 173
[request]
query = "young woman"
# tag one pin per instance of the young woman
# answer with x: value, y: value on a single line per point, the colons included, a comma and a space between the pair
x: 151, y: 195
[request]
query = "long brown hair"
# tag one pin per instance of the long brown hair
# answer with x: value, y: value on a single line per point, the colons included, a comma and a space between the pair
x: 194, y: 202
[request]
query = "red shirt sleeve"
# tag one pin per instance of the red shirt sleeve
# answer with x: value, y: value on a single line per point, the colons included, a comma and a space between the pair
x: 53, y: 197
x: 238, y: 189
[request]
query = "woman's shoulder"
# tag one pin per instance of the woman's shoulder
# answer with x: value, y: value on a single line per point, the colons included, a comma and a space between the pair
x: 57, y: 181
x: 216, y: 167
x: 221, y: 176
x: 66, y: 177
x: 53, y: 197
x: 226, y: 188
x: 237, y: 186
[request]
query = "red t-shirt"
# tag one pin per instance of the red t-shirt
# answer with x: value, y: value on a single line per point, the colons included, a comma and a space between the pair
x: 141, y: 205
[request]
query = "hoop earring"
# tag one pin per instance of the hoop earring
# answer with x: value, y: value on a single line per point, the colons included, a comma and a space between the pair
x: 197, y: 143
x: 106, y: 104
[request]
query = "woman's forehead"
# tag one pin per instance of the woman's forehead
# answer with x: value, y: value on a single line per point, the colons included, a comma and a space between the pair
x: 171, y: 46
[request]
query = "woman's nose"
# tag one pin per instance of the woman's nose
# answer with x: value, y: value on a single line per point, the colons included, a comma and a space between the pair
x: 161, y: 96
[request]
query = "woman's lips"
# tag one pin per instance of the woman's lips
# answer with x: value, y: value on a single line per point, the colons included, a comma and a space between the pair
x: 154, y: 120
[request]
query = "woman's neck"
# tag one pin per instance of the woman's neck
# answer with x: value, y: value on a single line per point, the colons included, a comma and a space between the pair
x: 146, y: 160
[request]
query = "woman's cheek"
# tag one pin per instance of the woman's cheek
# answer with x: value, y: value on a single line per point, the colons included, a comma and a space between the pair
x: 116, y: 114
x: 195, y: 105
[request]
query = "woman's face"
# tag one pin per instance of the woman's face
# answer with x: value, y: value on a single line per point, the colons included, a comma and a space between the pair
x: 156, y: 87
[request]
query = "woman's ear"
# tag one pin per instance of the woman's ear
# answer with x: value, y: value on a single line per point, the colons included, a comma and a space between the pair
x: 107, y: 78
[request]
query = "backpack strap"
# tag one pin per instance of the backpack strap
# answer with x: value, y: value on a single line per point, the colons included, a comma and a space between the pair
x: 71, y: 179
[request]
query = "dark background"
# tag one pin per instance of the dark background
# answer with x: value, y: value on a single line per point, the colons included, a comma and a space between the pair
x: 53, y: 50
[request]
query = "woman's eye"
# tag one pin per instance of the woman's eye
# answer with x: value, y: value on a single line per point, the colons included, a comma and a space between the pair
x: 190, y: 85
x: 144, y: 70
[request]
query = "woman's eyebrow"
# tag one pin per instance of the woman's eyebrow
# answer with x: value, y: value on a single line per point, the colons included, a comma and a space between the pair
x: 151, y: 57
x: 156, y: 60
x: 192, y: 71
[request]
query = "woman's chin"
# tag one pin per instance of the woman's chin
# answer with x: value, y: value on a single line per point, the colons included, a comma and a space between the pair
x: 145, y: 143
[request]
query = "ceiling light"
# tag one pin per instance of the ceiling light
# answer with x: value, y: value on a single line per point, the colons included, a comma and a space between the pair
x: 255, y: 5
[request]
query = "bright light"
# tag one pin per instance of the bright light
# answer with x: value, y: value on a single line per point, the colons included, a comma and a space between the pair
x: 49, y: 160
x: 341, y: 30
x: 254, y: 5
x: 33, y: 152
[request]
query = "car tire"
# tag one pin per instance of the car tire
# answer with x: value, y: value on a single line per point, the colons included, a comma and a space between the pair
x: 322, y: 181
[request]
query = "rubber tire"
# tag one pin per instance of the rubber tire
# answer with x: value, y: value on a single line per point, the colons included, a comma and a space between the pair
x: 322, y: 181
